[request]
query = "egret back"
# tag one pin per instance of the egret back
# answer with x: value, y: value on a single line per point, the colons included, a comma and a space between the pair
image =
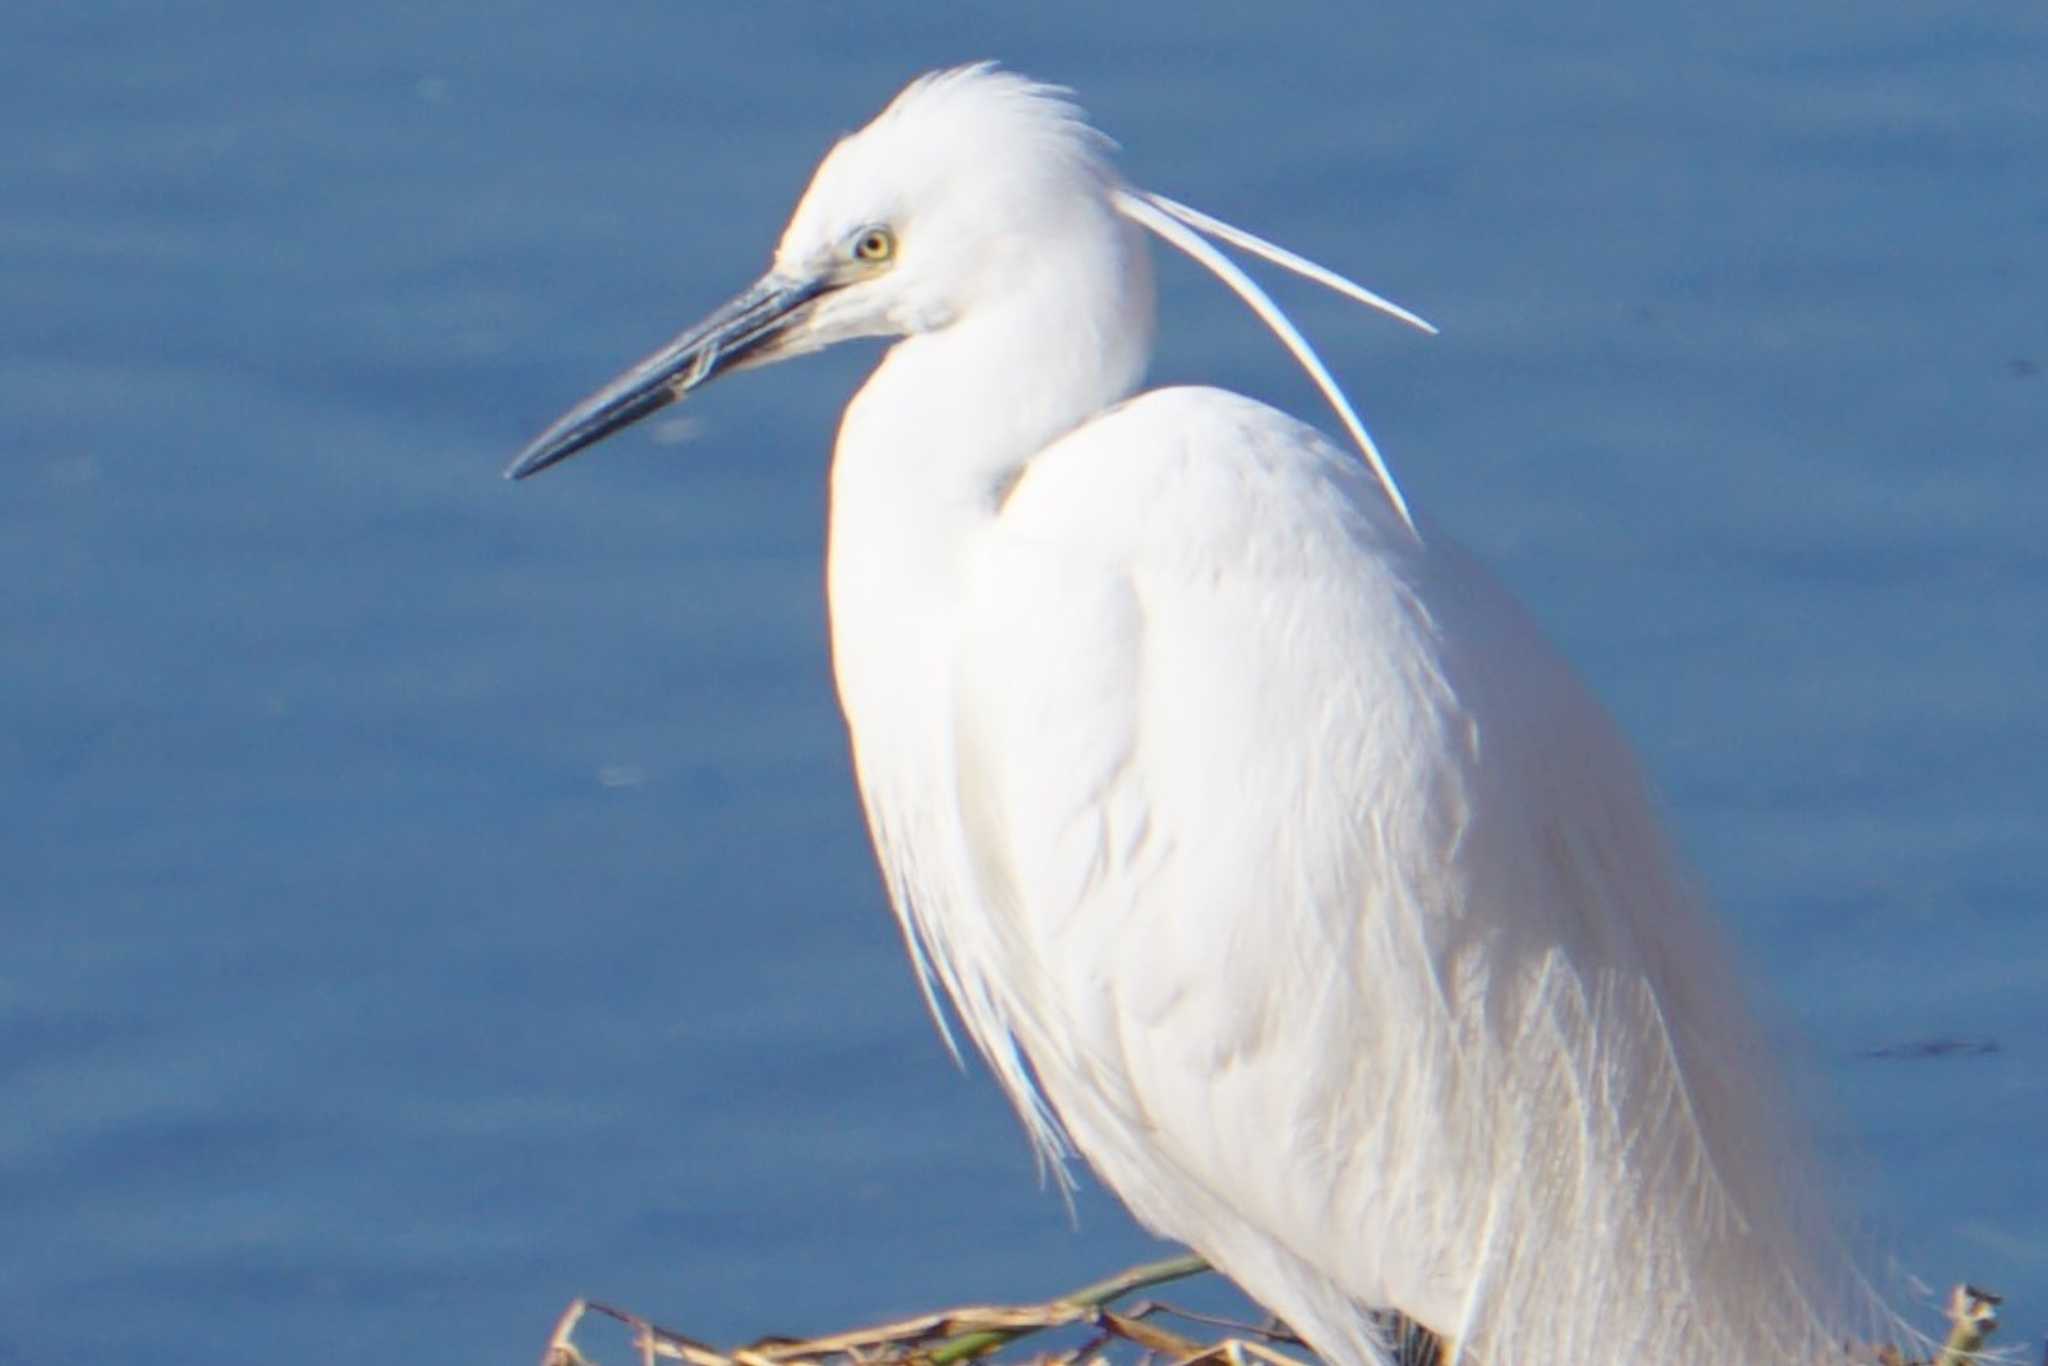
x: 1283, y: 868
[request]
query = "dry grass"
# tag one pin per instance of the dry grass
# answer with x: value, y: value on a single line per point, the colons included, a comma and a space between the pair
x: 1099, y: 1335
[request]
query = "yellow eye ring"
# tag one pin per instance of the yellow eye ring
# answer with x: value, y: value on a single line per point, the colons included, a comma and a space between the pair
x: 874, y: 244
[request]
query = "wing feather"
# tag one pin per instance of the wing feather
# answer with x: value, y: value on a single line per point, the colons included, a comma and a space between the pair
x: 1313, y: 1014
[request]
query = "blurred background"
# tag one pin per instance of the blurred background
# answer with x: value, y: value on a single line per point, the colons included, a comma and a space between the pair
x: 426, y: 899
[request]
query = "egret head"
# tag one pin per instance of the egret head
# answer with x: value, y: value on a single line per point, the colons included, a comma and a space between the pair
x: 957, y: 195
x: 970, y: 189
x: 974, y: 192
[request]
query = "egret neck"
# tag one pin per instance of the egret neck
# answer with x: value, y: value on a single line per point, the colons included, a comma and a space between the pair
x: 933, y: 443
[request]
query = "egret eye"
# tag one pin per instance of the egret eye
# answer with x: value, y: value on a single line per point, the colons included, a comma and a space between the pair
x: 874, y: 245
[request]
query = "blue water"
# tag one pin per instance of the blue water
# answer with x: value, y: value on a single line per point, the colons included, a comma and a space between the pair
x: 427, y: 899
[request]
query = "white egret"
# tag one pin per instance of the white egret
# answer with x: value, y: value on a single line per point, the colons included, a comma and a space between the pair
x: 1276, y: 863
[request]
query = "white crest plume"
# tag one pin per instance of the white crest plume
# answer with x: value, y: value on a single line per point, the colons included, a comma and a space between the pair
x: 1182, y: 227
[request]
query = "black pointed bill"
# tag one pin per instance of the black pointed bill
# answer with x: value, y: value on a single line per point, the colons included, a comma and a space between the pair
x: 745, y: 331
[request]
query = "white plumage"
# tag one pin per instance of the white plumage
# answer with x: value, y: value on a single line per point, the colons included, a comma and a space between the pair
x: 1267, y: 850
